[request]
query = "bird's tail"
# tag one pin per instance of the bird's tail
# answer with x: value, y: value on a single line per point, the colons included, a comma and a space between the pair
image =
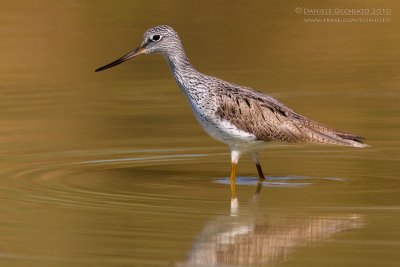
x: 318, y: 133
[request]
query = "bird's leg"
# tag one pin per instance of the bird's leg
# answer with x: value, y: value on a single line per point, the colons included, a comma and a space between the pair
x: 234, y: 160
x: 233, y: 180
x: 261, y: 177
x: 260, y: 171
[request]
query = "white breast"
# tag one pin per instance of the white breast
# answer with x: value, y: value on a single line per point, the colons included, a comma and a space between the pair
x: 204, y: 106
x: 221, y: 130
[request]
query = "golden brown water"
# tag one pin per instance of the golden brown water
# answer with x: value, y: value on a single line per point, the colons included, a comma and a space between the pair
x: 111, y: 168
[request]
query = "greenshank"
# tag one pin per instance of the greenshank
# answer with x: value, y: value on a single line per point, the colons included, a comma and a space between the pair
x: 241, y: 117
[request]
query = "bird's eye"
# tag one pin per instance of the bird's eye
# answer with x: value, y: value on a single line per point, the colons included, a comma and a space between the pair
x: 156, y: 37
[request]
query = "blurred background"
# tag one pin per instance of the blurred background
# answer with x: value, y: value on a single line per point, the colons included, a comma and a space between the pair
x: 112, y: 169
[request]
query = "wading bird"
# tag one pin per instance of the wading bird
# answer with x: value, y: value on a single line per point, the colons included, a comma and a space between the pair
x: 238, y: 116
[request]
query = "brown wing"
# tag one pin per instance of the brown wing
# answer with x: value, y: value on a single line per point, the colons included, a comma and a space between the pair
x: 270, y: 120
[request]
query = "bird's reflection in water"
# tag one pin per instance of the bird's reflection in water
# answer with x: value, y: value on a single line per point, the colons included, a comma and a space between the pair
x: 247, y: 237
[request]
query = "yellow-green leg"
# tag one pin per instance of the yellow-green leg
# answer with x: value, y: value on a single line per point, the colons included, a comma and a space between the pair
x: 233, y: 180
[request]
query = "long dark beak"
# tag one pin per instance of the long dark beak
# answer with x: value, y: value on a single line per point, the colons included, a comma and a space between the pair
x: 133, y: 53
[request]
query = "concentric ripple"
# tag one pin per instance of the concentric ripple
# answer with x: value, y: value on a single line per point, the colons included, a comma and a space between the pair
x: 278, y: 181
x: 120, y: 178
x: 85, y: 179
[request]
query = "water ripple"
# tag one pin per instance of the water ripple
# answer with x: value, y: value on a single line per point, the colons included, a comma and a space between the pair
x: 277, y: 181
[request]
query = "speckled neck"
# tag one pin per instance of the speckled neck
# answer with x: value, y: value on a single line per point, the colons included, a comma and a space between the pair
x: 184, y: 73
x: 177, y: 59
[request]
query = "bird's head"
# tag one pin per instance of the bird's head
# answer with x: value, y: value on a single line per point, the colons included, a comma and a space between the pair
x: 160, y: 39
